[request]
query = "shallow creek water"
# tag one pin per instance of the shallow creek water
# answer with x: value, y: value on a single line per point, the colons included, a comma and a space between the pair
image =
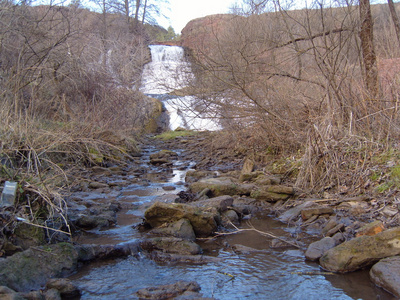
x: 264, y: 274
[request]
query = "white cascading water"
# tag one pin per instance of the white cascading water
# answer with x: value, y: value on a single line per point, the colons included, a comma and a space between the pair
x: 168, y: 71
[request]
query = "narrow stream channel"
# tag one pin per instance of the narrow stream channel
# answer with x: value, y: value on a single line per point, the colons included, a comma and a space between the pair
x: 264, y: 274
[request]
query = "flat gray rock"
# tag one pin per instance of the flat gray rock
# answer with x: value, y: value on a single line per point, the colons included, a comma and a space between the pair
x: 317, y: 249
x: 386, y: 274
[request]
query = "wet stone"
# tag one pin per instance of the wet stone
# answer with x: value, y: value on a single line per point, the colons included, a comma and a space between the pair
x: 52, y: 294
x: 29, y: 270
x: 170, y: 245
x: 386, y: 274
x: 203, y: 221
x: 172, y: 258
x: 317, y: 249
x: 93, y: 221
x: 64, y: 286
x: 97, y: 185
x: 169, y: 188
x: 168, y: 291
x: 180, y: 229
x: 230, y: 217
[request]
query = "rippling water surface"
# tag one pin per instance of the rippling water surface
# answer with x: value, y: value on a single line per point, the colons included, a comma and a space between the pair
x: 266, y: 274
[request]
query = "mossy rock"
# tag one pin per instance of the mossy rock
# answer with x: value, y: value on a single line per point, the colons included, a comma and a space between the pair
x: 30, y: 270
x: 27, y: 235
x: 152, y: 125
x: 222, y: 186
x: 362, y: 251
x: 268, y: 196
x: 203, y: 222
x: 273, y: 193
x: 164, y: 154
x: 250, y: 176
x: 95, y: 156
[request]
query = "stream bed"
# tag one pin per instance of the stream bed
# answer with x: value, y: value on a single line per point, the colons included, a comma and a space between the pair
x: 263, y: 273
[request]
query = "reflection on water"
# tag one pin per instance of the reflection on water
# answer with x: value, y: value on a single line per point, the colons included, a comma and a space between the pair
x: 266, y: 274
x: 270, y: 275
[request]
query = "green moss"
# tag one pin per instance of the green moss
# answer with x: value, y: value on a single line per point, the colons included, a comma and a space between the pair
x: 152, y: 125
x: 96, y: 156
x: 389, y: 155
x: 375, y: 176
x: 384, y: 187
x: 170, y: 135
x: 395, y: 173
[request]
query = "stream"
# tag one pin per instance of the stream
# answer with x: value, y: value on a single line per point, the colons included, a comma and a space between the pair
x: 264, y: 274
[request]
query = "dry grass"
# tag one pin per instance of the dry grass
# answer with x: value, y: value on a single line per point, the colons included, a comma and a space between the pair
x: 41, y: 153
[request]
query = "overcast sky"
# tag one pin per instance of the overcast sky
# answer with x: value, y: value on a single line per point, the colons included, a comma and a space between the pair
x: 182, y: 11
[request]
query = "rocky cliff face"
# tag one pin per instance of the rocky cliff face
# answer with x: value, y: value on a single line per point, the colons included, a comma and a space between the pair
x: 200, y: 34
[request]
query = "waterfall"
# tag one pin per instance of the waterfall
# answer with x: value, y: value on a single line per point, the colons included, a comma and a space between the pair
x: 169, y: 71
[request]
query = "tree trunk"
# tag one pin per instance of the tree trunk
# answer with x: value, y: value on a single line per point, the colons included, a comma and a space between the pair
x: 104, y: 33
x: 144, y: 11
x: 127, y: 12
x: 395, y: 19
x: 137, y: 13
x: 368, y: 49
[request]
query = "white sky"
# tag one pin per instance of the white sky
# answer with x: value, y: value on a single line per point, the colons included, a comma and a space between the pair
x: 182, y: 11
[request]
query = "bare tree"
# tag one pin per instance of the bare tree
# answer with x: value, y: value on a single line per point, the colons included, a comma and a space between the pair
x: 395, y: 19
x: 139, y: 11
x: 368, y: 49
x: 293, y: 80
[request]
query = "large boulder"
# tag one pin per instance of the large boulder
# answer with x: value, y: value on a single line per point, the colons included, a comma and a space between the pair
x: 386, y: 274
x: 222, y: 186
x: 362, y: 251
x: 203, y: 221
x: 29, y: 270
